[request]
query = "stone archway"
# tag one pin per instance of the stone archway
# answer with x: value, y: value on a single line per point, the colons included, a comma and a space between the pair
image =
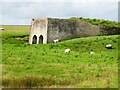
x: 34, y: 40
x: 41, y: 39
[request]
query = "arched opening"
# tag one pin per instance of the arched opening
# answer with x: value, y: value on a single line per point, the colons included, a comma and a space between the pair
x: 41, y: 39
x: 34, y: 41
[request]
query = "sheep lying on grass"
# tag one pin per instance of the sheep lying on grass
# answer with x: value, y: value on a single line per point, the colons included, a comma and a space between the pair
x: 91, y: 52
x: 2, y: 29
x: 109, y: 46
x: 67, y: 51
x: 56, y: 40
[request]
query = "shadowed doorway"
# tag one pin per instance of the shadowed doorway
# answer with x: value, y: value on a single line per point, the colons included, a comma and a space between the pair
x: 34, y: 41
x: 41, y: 39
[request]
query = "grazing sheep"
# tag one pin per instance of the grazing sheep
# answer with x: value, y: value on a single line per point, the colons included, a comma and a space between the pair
x: 67, y: 51
x: 91, y: 52
x: 2, y: 29
x: 56, y: 40
x: 109, y: 46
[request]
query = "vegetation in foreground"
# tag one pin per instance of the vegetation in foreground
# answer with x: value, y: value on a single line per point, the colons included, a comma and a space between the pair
x: 48, y: 66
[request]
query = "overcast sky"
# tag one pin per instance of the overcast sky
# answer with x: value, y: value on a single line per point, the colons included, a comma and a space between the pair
x: 20, y: 12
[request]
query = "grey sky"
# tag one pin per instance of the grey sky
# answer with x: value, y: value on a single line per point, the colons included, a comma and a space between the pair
x: 21, y: 12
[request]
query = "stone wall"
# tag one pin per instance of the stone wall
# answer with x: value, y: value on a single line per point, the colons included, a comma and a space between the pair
x: 61, y: 28
x: 68, y: 29
x: 38, y: 28
x: 105, y: 30
x: 85, y: 29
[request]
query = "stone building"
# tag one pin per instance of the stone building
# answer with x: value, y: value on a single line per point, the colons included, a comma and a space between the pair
x: 45, y: 30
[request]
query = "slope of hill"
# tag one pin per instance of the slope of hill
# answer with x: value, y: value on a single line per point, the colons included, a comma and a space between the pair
x: 47, y: 65
x: 107, y: 27
x: 98, y: 22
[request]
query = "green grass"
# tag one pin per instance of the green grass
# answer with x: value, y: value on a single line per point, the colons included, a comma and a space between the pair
x: 14, y: 31
x: 46, y: 65
x: 98, y: 22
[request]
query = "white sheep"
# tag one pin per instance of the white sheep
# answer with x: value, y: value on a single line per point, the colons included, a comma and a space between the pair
x: 67, y: 51
x: 109, y: 46
x: 91, y: 52
x: 2, y: 29
x: 56, y: 40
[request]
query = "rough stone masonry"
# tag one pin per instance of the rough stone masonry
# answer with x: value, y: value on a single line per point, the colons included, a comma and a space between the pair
x: 45, y: 30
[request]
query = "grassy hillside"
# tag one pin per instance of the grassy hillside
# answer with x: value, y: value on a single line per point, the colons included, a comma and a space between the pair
x: 46, y: 65
x: 98, y: 22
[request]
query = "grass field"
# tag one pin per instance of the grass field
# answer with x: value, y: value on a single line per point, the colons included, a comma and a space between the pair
x: 46, y: 65
x: 13, y: 31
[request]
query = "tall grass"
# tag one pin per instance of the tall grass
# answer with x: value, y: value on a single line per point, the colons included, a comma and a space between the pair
x: 46, y: 65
